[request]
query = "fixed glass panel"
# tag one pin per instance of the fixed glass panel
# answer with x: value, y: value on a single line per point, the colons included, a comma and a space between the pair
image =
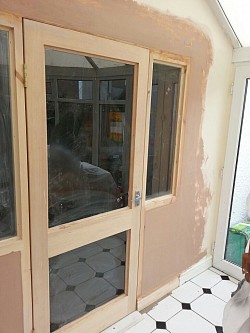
x: 113, y: 90
x: 86, y: 278
x: 75, y: 89
x: 239, y: 218
x: 89, y: 111
x: 162, y: 133
x: 7, y: 190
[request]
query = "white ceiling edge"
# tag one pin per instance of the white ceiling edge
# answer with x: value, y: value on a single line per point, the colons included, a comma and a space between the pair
x: 214, y: 5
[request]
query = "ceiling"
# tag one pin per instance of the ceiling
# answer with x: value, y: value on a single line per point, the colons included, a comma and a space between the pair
x: 236, y: 13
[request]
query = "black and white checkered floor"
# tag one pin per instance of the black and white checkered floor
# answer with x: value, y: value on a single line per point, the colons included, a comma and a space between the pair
x: 195, y: 307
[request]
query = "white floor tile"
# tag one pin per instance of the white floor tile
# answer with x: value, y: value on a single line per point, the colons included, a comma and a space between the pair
x: 207, y: 279
x: 224, y: 289
x: 215, y: 270
x: 209, y: 307
x: 187, y: 292
x: 165, y: 309
x: 161, y: 331
x: 189, y: 322
x: 124, y: 324
x: 147, y: 325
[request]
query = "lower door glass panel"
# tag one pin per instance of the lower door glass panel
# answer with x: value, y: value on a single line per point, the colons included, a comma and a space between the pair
x: 85, y: 278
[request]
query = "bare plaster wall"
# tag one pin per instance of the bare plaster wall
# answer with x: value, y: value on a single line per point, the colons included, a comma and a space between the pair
x: 180, y: 234
x: 11, y: 303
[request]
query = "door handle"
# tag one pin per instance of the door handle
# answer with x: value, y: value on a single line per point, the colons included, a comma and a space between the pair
x: 137, y: 198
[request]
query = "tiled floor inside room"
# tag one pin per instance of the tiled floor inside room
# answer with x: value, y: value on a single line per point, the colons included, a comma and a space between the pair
x: 195, y: 307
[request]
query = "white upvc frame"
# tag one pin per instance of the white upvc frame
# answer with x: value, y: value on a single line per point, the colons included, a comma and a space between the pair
x: 241, y: 58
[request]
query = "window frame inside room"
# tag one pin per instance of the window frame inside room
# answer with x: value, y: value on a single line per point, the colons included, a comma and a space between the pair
x: 183, y: 63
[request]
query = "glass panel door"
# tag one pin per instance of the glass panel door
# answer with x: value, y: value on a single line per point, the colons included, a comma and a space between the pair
x: 85, y: 108
x: 86, y: 178
x: 239, y: 218
x: 233, y: 229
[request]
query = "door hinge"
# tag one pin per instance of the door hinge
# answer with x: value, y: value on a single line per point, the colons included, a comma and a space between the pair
x: 25, y: 79
x: 222, y: 172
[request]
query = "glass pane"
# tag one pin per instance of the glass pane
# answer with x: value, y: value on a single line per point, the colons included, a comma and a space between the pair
x: 7, y: 195
x: 113, y: 90
x: 74, y: 89
x: 88, y: 135
x: 86, y: 278
x: 239, y: 219
x: 163, y: 118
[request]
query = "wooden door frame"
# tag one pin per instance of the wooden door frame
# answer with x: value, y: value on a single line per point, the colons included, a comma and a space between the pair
x: 21, y: 242
x: 47, y: 243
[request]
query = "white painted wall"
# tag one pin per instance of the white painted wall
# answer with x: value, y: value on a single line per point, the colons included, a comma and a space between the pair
x: 242, y: 180
x: 218, y: 99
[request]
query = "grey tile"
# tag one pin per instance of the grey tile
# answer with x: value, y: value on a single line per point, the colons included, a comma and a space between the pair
x: 110, y: 242
x: 96, y: 291
x: 116, y: 277
x: 56, y: 284
x: 103, y: 262
x: 119, y: 252
x: 88, y: 250
x: 63, y: 260
x: 76, y: 273
x: 65, y: 307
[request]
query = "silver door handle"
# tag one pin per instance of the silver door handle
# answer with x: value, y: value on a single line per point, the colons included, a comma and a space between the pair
x: 137, y: 198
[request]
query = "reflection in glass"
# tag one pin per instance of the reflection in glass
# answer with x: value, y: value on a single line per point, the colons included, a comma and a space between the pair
x: 89, y: 107
x: 239, y: 218
x: 163, y: 120
x: 7, y: 195
x: 86, y: 278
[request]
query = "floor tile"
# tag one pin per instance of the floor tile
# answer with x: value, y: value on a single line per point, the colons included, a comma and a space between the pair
x: 147, y: 325
x: 63, y: 260
x: 56, y: 284
x: 209, y: 307
x: 95, y: 291
x: 110, y: 242
x: 160, y: 331
x: 189, y: 322
x: 119, y: 252
x: 116, y: 277
x: 165, y: 309
x: 207, y: 279
x: 76, y: 273
x: 124, y: 324
x: 88, y: 250
x: 224, y: 289
x: 103, y: 262
x: 187, y: 292
x: 61, y: 312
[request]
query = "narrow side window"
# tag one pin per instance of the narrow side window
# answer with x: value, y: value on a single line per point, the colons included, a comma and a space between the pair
x: 163, y: 131
x: 7, y: 193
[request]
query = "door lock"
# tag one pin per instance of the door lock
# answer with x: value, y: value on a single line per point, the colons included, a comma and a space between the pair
x: 137, y: 198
